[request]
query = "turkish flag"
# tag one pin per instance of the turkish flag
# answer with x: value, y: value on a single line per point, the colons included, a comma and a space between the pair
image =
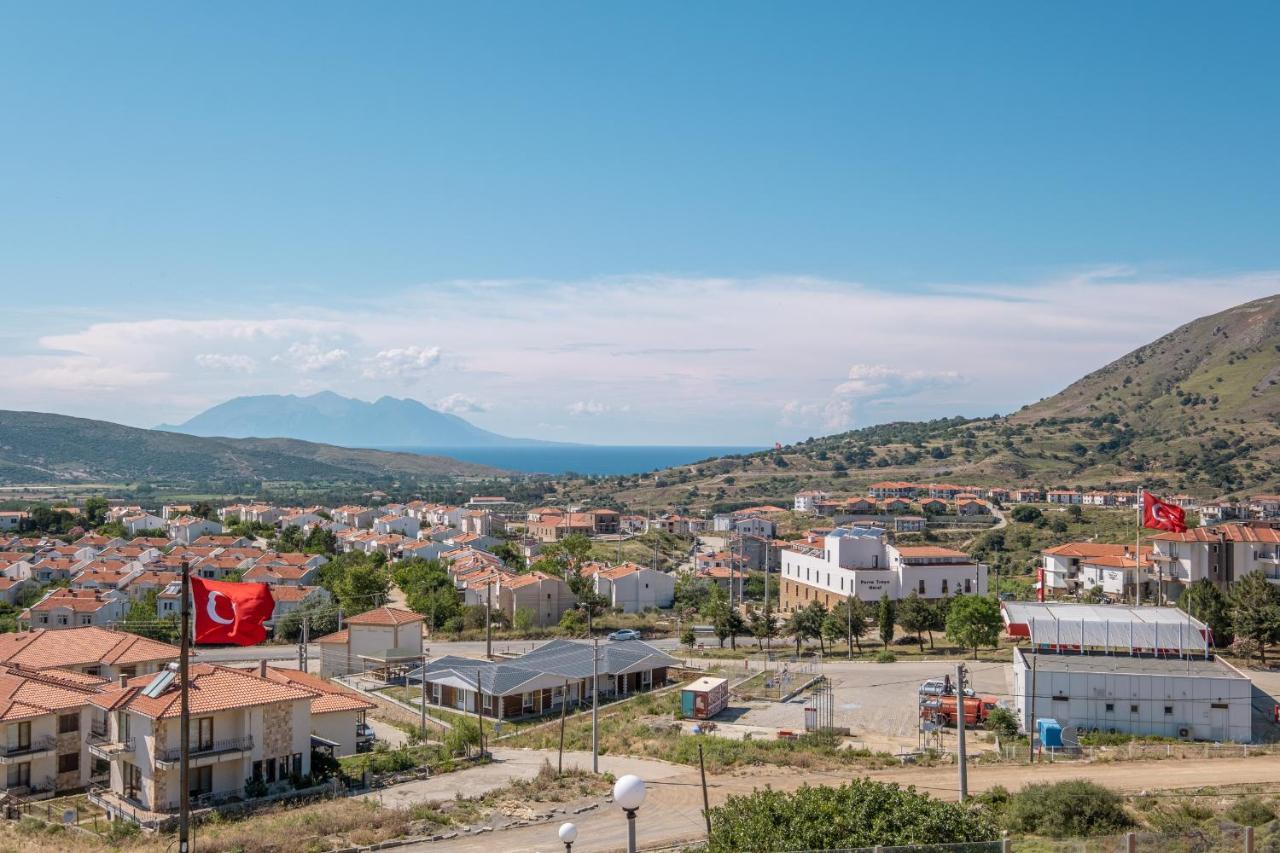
x: 1162, y: 515
x: 231, y: 612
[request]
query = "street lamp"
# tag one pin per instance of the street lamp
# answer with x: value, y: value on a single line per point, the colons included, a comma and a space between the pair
x: 568, y: 834
x: 628, y: 793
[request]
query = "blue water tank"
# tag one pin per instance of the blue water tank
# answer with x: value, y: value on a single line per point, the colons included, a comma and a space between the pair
x: 1049, y: 732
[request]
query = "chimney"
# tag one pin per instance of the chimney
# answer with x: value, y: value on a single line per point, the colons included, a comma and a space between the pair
x: 262, y: 668
x: 122, y: 679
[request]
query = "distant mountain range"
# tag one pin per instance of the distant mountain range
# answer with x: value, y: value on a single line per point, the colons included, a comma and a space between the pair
x: 330, y: 418
x: 38, y: 448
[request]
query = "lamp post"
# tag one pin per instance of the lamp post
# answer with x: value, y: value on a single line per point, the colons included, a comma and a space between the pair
x: 628, y: 793
x: 568, y: 834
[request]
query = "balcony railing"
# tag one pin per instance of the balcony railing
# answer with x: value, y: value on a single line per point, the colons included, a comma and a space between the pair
x: 234, y: 744
x: 103, y: 746
x: 10, y: 752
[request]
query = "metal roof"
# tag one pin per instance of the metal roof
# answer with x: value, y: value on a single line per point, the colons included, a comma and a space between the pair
x: 563, y: 659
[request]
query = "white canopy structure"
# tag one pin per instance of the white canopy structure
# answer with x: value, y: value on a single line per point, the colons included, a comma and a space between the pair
x: 1108, y: 628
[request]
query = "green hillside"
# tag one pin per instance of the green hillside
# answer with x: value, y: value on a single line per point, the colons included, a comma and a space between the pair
x: 1196, y: 411
x: 40, y: 448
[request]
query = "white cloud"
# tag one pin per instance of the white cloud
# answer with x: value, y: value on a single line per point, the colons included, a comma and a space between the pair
x: 460, y: 404
x: 843, y: 353
x: 309, y: 358
x: 237, y: 362
x: 403, y: 362
x: 591, y: 408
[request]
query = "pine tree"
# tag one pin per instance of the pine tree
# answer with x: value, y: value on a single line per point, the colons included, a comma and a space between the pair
x: 887, y: 614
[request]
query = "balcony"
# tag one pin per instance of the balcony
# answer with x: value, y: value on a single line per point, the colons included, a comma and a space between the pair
x: 227, y: 749
x: 107, y: 748
x: 12, y: 754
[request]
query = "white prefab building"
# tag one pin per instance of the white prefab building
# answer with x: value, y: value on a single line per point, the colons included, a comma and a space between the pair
x: 1193, y: 698
x: 372, y: 640
x: 1131, y: 670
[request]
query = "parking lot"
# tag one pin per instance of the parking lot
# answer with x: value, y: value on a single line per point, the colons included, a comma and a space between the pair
x: 878, y: 703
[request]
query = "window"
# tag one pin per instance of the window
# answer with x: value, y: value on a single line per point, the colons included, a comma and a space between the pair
x: 1168, y: 709
x: 63, y: 620
x: 1111, y: 706
x: 94, y: 670
x: 86, y: 619
x: 19, y: 775
x: 270, y: 767
x: 44, y: 619
x: 526, y: 701
x: 68, y: 723
x: 920, y: 588
x: 1133, y: 709
x: 20, y: 736
x: 69, y: 763
x: 201, y: 780
x: 944, y: 586
x: 128, y: 671
x: 297, y: 764
x: 967, y: 587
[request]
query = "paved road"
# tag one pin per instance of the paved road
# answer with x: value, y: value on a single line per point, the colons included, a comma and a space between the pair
x: 510, y: 765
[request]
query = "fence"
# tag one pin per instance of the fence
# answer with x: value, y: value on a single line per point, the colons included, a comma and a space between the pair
x: 1137, y: 751
x: 1225, y: 838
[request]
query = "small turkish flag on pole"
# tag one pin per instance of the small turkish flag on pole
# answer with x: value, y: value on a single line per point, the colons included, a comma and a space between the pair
x: 1158, y: 514
x: 231, y: 612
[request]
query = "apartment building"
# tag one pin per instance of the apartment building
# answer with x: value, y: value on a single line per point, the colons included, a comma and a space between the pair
x: 338, y: 723
x: 632, y: 588
x: 243, y: 726
x: 45, y: 716
x: 1222, y: 553
x: 860, y: 561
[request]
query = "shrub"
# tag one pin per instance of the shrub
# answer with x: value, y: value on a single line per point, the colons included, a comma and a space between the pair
x: 885, y: 656
x: 462, y: 735
x: 1003, y: 722
x: 1251, y: 811
x: 1071, y: 809
x: 862, y: 813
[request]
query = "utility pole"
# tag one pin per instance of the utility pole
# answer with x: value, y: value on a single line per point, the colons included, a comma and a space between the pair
x: 564, y: 705
x: 184, y: 718
x: 1031, y: 704
x: 422, y: 714
x: 964, y: 769
x: 595, y: 701
x: 302, y: 645
x: 848, y: 611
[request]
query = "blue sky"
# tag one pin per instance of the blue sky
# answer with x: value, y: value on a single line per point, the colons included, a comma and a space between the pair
x: 619, y: 223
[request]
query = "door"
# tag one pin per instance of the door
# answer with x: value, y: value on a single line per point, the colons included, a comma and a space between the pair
x: 19, y: 737
x: 204, y: 734
x: 1218, y: 722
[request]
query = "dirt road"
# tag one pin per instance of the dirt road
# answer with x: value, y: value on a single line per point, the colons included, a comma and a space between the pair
x: 672, y: 810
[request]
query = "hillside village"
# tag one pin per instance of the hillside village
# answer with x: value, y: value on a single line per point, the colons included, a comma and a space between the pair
x: 372, y: 600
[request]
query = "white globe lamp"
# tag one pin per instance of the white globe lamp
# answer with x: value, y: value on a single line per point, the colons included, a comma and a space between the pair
x: 568, y: 834
x: 628, y: 793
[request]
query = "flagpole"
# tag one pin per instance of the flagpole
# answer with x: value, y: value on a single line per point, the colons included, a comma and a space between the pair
x: 1137, y: 552
x: 184, y: 719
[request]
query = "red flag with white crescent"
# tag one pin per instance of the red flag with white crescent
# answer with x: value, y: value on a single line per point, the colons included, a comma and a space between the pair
x: 1159, y: 514
x: 231, y: 612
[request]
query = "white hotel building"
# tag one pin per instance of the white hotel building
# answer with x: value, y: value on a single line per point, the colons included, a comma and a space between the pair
x: 861, y: 561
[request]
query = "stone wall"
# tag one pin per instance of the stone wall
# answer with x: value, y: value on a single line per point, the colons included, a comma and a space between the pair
x: 277, y: 730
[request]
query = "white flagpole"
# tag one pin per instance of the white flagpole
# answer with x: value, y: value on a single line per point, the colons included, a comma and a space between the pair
x: 1137, y: 552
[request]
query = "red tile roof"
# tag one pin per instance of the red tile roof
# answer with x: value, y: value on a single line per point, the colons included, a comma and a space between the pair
x: 44, y: 649
x: 213, y: 688
x: 329, y: 697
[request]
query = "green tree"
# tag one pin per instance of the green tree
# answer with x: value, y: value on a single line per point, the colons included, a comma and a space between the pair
x: 362, y: 587
x: 763, y: 624
x: 974, y: 621
x: 95, y: 510
x: 290, y: 539
x: 815, y: 614
x: 524, y: 620
x: 886, y: 614
x: 144, y: 620
x: 853, y: 625
x: 796, y: 628
x: 914, y: 616
x: 862, y: 813
x: 1003, y: 722
x: 1204, y: 601
x: 320, y: 541
x: 1255, y: 611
